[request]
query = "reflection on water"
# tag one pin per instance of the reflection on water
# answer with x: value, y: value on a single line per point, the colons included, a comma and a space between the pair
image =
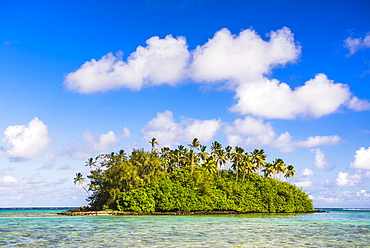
x: 45, y: 228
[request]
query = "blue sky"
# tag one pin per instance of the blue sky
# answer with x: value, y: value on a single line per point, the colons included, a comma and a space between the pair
x: 79, y: 78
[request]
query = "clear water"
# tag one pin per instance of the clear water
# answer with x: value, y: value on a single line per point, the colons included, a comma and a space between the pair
x: 44, y: 228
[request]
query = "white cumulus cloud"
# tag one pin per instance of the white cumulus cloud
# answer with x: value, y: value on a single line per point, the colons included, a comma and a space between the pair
x: 358, y: 104
x: 93, y: 144
x: 304, y: 179
x: 304, y: 184
x: 162, y: 61
x: 320, y: 160
x: 250, y: 132
x: 8, y: 179
x: 363, y: 193
x: 243, y: 57
x: 239, y: 62
x: 362, y: 159
x: 355, y: 44
x: 346, y: 179
x: 26, y: 141
x: 126, y: 133
x: 319, y: 141
x: 253, y: 132
x: 168, y: 132
x: 318, y: 97
x: 101, y: 143
x: 307, y: 173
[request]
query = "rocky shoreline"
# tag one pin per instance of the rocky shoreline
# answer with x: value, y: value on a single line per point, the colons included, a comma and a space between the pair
x: 120, y: 213
x: 84, y: 211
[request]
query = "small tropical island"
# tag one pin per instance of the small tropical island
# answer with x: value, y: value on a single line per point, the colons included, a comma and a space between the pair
x: 190, y: 180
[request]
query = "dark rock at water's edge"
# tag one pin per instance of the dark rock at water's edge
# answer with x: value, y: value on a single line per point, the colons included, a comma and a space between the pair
x: 79, y: 210
x: 85, y: 211
x: 320, y: 211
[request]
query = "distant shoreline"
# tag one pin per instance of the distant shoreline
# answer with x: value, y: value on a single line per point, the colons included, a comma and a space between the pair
x: 36, y: 208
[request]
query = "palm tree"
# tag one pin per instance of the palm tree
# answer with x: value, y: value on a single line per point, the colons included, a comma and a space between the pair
x: 165, y: 157
x: 176, y: 158
x: 237, y: 159
x: 122, y: 156
x: 290, y: 171
x: 220, y: 158
x: 218, y: 154
x: 249, y: 166
x: 79, y: 179
x: 90, y: 162
x: 259, y: 157
x: 203, y: 153
x: 215, y: 147
x: 194, y: 145
x: 210, y: 165
x: 268, y: 169
x: 279, y: 167
x: 228, y: 153
x: 182, y: 152
x: 153, y: 142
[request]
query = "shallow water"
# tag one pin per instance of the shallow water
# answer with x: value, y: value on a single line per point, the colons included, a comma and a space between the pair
x: 34, y: 228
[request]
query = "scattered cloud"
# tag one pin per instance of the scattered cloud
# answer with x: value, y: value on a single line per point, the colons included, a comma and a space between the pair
x: 307, y: 173
x: 240, y: 62
x: 365, y: 73
x: 36, y: 179
x: 49, y: 162
x: 162, y: 61
x: 328, y: 200
x: 355, y: 44
x: 363, y: 193
x: 318, y: 97
x: 8, y: 181
x: 345, y: 179
x: 36, y: 191
x: 60, y: 181
x: 126, y: 134
x: 99, y: 143
x: 304, y: 184
x: 168, y: 133
x: 320, y: 160
x: 243, y: 57
x: 304, y: 179
x: 358, y: 104
x: 319, y: 140
x: 343, y: 198
x: 25, y: 141
x: 252, y: 132
x: 92, y: 144
x: 244, y: 61
x: 362, y: 159
x: 327, y: 183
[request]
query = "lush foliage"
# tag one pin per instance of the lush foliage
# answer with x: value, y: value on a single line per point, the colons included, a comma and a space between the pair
x: 199, y: 190
x: 192, y: 179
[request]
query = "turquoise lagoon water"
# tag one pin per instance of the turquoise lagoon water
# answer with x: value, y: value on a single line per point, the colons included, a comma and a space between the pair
x: 44, y: 228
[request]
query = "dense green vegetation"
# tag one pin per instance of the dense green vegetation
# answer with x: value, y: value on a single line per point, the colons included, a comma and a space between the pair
x: 192, y: 180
